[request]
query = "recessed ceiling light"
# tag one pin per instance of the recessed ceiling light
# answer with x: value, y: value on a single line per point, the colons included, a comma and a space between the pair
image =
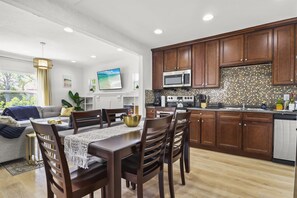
x: 158, y: 31
x: 93, y: 56
x: 207, y: 17
x: 68, y: 29
x: 73, y: 61
x: 120, y: 49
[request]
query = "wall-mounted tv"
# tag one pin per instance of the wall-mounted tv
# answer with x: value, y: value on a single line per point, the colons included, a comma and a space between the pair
x: 110, y: 79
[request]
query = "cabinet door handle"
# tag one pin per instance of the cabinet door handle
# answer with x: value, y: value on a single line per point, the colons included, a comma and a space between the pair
x: 202, y: 84
x: 239, y: 124
x: 177, y: 67
x: 198, y: 120
x: 291, y: 80
x: 244, y: 125
x: 245, y: 59
x: 241, y: 59
x: 202, y: 121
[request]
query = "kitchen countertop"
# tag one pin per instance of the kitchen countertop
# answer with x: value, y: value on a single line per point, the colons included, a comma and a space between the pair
x: 235, y: 109
x: 253, y: 110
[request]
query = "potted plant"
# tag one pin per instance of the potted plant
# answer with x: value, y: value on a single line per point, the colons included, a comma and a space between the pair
x: 279, y: 104
x: 76, y: 99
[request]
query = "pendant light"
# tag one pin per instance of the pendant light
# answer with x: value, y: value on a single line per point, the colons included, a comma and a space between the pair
x: 42, y: 63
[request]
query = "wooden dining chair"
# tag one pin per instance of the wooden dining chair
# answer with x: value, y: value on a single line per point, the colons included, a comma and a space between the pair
x: 86, y: 118
x: 175, y: 147
x: 61, y: 182
x: 147, y: 162
x: 113, y: 114
x: 165, y: 111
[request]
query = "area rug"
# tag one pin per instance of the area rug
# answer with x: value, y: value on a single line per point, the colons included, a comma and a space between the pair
x: 20, y: 166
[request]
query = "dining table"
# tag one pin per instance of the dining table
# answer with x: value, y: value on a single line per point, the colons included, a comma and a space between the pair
x: 113, y: 150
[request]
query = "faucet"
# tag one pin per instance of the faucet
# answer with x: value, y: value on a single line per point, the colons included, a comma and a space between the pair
x: 243, y: 105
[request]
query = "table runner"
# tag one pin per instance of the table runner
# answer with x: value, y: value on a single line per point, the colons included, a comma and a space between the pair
x: 76, y: 146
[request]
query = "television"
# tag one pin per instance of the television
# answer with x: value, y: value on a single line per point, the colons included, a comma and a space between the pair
x: 109, y: 79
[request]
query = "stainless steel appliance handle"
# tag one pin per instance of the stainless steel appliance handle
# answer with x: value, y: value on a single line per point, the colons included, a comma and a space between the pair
x: 183, y: 77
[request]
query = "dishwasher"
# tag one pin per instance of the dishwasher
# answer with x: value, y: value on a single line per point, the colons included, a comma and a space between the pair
x: 284, y: 150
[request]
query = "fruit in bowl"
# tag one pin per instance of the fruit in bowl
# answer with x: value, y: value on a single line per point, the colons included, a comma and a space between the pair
x: 132, y: 120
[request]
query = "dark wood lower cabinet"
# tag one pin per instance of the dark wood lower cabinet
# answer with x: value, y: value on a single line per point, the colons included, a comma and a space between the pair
x: 208, y: 130
x: 229, y: 132
x: 257, y: 138
x: 241, y: 133
x: 195, y: 130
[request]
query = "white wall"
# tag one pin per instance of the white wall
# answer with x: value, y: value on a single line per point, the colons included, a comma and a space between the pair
x: 57, y: 85
x: 56, y: 76
x: 57, y: 11
x: 128, y: 67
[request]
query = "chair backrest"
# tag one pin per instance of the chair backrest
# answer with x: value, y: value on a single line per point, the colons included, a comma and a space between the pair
x: 153, y: 141
x: 86, y: 118
x: 178, y: 134
x: 55, y: 164
x: 113, y: 114
x: 165, y: 111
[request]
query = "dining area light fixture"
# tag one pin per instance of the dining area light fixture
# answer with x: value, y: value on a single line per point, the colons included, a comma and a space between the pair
x: 42, y: 63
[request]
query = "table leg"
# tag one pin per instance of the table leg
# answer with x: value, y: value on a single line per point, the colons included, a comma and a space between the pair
x: 114, y: 176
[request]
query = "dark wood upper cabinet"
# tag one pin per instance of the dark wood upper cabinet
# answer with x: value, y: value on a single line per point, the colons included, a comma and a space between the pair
x: 205, y: 64
x: 254, y: 47
x: 184, y: 58
x: 212, y: 69
x: 198, y: 62
x: 258, y: 46
x: 296, y: 54
x: 231, y: 50
x: 157, y: 73
x: 283, y: 67
x: 170, y: 60
x: 177, y: 58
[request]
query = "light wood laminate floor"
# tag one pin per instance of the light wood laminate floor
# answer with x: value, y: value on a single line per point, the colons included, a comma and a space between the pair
x: 212, y: 175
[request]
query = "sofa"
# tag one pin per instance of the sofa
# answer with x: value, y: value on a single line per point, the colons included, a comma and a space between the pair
x: 11, y: 149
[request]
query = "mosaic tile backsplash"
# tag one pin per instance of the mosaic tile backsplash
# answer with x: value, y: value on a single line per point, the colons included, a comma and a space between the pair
x: 245, y: 84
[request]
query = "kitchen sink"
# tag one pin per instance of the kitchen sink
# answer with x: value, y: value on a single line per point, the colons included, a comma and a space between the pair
x: 255, y: 109
x: 233, y: 108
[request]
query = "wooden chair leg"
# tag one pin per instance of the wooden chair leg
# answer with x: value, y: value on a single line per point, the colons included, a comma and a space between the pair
x: 161, y: 184
x: 91, y: 195
x: 139, y: 190
x: 182, y: 173
x: 170, y: 179
x: 103, y: 192
x: 127, y: 184
x: 133, y: 186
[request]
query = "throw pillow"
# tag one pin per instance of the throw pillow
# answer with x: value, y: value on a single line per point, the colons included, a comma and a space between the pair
x: 66, y: 112
x: 8, y: 120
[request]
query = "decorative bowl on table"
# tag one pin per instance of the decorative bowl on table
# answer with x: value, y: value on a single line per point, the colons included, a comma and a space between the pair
x: 132, y: 120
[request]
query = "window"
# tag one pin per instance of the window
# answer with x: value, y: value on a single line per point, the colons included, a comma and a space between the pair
x: 17, y: 89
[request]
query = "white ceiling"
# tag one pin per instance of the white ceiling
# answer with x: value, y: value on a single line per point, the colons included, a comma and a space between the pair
x: 21, y: 32
x: 182, y: 20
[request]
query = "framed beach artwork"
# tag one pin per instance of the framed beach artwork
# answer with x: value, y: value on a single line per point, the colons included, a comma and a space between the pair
x: 67, y: 81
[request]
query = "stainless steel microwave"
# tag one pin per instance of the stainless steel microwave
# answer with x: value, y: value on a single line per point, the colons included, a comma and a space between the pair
x: 180, y: 78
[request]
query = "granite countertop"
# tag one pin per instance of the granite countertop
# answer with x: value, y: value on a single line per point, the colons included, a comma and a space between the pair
x: 254, y: 110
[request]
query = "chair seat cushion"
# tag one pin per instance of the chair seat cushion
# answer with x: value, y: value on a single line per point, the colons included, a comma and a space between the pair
x: 131, y: 164
x: 86, y: 177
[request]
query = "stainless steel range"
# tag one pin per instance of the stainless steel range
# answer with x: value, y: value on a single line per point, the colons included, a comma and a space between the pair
x: 180, y: 102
